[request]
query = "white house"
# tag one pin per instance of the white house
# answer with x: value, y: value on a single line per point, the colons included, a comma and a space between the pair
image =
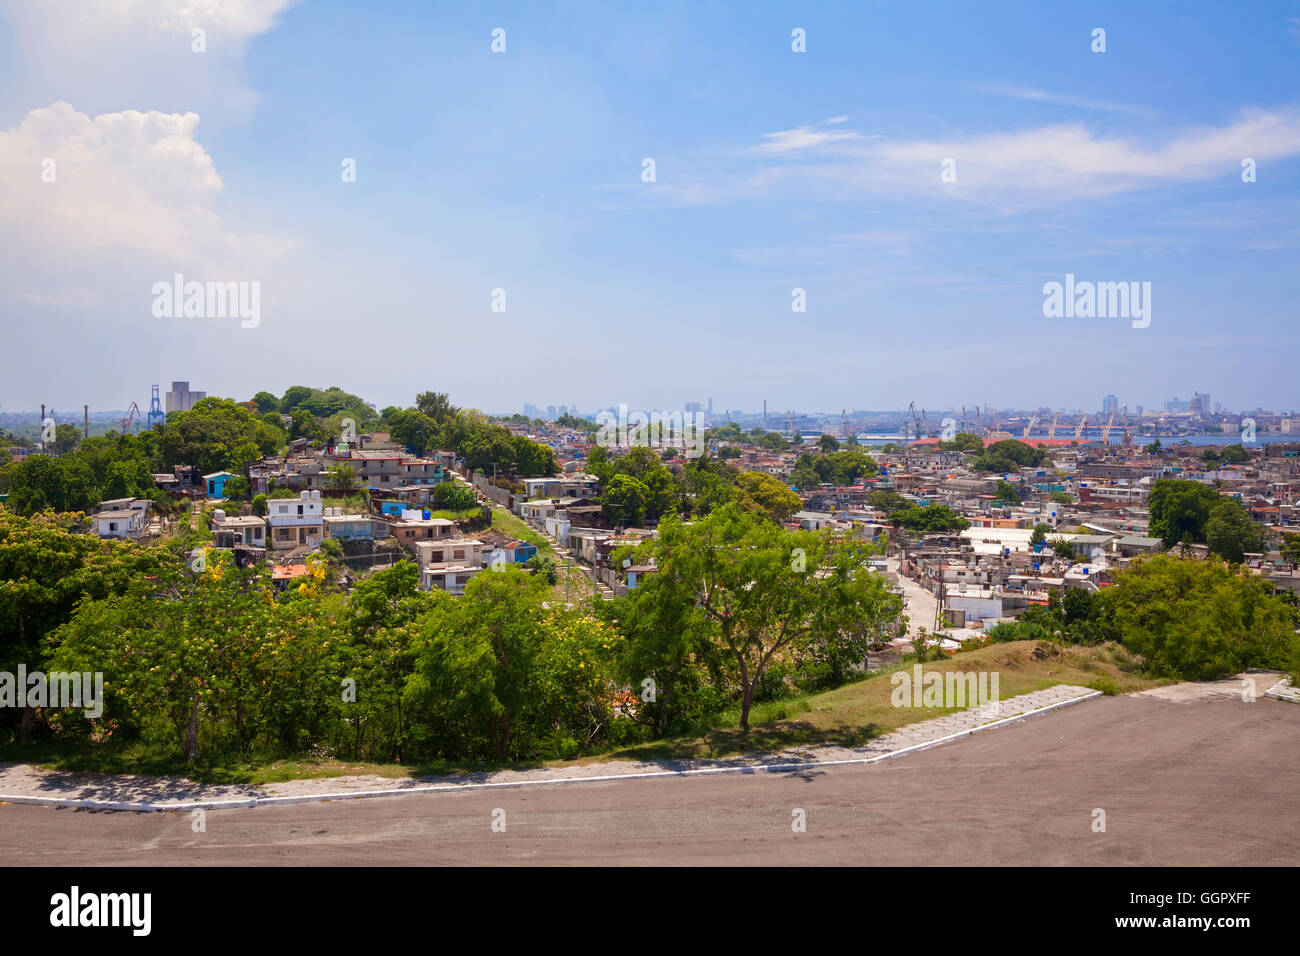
x: 451, y: 578
x: 296, y: 522
x: 119, y: 523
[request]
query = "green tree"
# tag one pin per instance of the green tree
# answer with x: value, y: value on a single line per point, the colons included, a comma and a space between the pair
x: 1008, y: 455
x: 963, y: 441
x: 293, y: 397
x: 887, y: 501
x: 931, y: 519
x: 1231, y: 534
x: 828, y: 443
x: 205, y: 436
x: 266, y: 402
x: 414, y: 428
x: 1006, y: 491
x: 768, y: 495
x: 340, y: 477
x: 1200, y: 620
x: 543, y: 567
x: 1180, y: 510
x: 437, y: 406
x: 766, y: 592
x: 454, y: 496
x: 478, y: 656
x: 1290, y: 549
x: 624, y: 501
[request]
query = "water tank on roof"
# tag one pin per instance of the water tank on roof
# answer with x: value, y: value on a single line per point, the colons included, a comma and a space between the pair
x: 218, y: 515
x: 427, y: 516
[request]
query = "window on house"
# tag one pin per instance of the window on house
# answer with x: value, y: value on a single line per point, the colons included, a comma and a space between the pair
x: 112, y: 526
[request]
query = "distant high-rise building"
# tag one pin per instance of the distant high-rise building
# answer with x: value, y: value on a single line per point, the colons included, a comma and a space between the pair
x: 550, y: 412
x: 693, y: 407
x: 1109, y: 404
x: 710, y: 406
x: 1200, y: 404
x: 181, y: 399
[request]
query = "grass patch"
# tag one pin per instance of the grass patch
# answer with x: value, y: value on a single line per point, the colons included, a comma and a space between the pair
x: 452, y: 515
x: 516, y: 527
x: 140, y: 759
x: 851, y: 715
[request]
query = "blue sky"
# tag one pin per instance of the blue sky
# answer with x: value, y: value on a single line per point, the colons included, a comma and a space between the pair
x: 775, y: 170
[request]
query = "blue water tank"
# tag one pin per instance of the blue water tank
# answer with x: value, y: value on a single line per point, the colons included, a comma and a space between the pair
x: 426, y: 516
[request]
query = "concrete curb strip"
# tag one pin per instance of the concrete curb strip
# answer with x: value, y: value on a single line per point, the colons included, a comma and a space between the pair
x: 74, y: 803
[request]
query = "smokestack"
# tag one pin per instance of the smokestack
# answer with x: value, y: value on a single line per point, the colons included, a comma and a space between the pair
x: 85, y: 411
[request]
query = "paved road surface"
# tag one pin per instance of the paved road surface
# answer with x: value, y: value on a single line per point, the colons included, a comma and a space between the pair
x: 1211, y: 781
x: 921, y: 606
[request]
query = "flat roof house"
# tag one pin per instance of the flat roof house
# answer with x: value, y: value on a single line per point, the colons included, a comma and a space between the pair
x: 451, y: 578
x: 235, y: 530
x: 126, y: 523
x: 296, y: 522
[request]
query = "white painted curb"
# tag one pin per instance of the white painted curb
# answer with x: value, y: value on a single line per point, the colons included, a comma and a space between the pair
x: 248, y: 802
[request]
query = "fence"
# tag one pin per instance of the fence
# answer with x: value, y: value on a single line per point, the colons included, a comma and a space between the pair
x: 501, y: 496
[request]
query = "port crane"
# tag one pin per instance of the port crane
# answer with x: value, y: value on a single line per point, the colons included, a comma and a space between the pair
x: 1033, y: 420
x: 916, y: 422
x: 132, y: 415
x: 1078, y: 429
x: 1051, y: 429
x: 1105, y: 429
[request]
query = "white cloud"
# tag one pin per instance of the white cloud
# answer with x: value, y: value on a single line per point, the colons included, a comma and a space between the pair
x: 105, y: 55
x: 1065, y: 99
x: 1033, y: 167
x: 132, y: 200
x: 804, y: 137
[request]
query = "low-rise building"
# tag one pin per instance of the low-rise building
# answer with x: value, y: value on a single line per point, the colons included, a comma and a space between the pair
x: 231, y: 531
x: 296, y: 522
